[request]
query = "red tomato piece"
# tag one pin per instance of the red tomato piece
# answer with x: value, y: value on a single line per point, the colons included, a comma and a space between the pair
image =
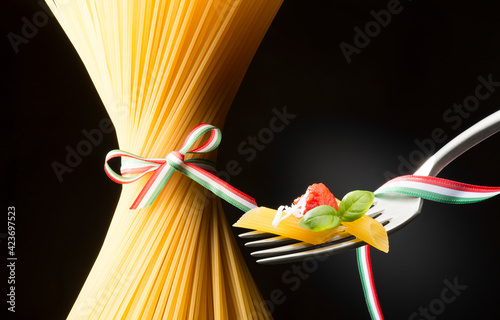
x: 316, y: 195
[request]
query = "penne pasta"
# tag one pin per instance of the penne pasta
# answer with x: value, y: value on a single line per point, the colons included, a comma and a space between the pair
x: 370, y: 231
x: 365, y: 228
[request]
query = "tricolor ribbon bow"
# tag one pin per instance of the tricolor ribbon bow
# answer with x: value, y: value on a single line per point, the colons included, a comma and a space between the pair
x: 200, y: 170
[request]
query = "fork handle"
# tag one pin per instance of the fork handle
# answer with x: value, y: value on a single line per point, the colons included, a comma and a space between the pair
x: 461, y: 143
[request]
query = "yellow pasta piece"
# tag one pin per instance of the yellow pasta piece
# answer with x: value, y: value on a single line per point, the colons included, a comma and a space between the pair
x: 261, y: 219
x: 365, y: 228
x: 370, y: 231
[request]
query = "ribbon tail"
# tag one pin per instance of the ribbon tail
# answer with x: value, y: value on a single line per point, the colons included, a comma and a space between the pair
x: 366, y: 275
x: 153, y: 186
x: 218, y: 186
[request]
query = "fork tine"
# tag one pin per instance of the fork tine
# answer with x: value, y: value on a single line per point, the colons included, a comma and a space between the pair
x: 375, y: 210
x: 317, y: 253
x: 281, y: 250
x: 269, y: 242
x: 295, y: 247
x: 254, y: 234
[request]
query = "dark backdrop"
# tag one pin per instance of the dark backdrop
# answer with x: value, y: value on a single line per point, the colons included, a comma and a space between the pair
x: 350, y: 126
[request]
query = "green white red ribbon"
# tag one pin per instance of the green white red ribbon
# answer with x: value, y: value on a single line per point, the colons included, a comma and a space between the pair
x: 425, y: 187
x: 200, y: 170
x: 437, y: 189
x: 366, y: 275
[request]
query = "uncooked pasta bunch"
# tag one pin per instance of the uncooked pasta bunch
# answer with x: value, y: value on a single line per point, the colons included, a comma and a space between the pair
x: 161, y: 68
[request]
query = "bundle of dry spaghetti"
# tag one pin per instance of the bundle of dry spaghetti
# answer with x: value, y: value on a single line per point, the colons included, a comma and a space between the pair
x: 161, y: 68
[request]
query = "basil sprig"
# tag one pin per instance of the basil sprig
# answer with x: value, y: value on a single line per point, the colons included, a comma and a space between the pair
x: 352, y: 207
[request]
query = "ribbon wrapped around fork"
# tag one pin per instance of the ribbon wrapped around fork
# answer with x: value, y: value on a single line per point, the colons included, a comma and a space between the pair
x: 425, y: 187
x: 438, y: 189
x: 200, y: 170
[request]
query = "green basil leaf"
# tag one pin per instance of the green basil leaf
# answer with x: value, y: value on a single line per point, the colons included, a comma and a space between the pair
x: 355, y: 204
x: 320, y: 218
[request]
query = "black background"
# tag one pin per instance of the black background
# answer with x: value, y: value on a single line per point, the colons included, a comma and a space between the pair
x: 354, y: 122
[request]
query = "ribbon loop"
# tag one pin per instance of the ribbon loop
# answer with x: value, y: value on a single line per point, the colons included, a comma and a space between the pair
x: 211, y: 144
x: 131, y: 164
x: 200, y: 170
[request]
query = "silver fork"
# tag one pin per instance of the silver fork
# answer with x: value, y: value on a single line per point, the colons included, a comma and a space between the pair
x: 394, y: 211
